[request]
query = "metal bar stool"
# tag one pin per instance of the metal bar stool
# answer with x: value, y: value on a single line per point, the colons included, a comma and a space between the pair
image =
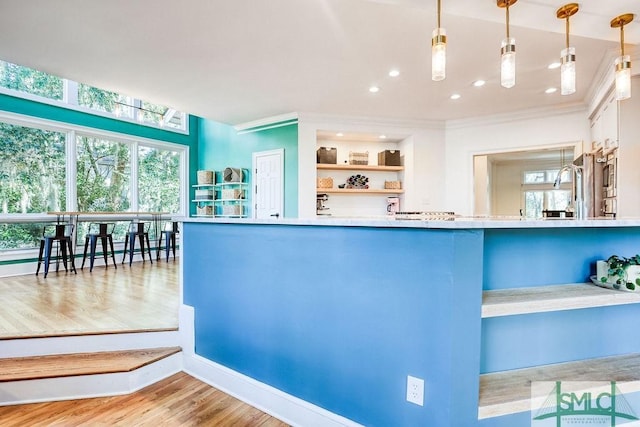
x: 140, y: 230
x: 104, y: 232
x: 61, y: 233
x: 169, y: 232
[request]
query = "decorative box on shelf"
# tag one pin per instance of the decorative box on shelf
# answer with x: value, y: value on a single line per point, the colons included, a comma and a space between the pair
x: 327, y: 155
x: 393, y: 185
x: 204, y: 210
x: 232, y: 193
x: 326, y: 182
x: 389, y: 158
x: 357, y: 158
x: 204, y: 194
x: 205, y: 177
x: 232, y: 210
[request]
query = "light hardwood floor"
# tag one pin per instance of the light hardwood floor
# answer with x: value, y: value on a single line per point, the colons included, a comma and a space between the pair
x: 143, y: 297
x: 179, y: 400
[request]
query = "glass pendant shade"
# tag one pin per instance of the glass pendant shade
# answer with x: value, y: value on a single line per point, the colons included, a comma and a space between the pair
x: 508, y: 63
x: 623, y: 77
x: 438, y: 54
x: 568, y: 71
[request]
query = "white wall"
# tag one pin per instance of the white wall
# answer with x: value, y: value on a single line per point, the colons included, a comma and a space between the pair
x: 423, y: 148
x: 517, y: 132
x: 629, y: 154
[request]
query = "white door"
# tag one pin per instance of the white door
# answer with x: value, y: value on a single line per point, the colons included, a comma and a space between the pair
x: 268, y: 184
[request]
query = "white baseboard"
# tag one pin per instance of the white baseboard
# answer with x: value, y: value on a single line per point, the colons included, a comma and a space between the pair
x: 86, y: 386
x: 285, y: 407
x: 28, y: 347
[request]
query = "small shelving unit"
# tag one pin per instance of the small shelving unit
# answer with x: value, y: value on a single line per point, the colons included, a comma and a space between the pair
x: 203, y: 203
x: 230, y: 207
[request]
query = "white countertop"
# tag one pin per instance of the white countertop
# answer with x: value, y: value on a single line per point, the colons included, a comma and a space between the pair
x: 457, y: 223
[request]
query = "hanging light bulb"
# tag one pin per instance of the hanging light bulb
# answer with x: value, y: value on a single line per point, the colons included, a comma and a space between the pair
x: 568, y: 54
x: 508, y: 51
x: 438, y: 51
x: 623, y: 62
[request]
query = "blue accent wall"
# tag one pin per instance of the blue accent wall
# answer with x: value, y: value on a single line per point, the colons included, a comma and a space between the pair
x: 221, y: 146
x: 339, y: 316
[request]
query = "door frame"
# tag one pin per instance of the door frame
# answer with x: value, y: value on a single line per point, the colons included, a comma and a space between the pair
x: 254, y: 181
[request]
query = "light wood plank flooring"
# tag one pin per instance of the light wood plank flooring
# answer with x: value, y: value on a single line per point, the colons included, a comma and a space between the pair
x: 179, y: 400
x: 143, y: 297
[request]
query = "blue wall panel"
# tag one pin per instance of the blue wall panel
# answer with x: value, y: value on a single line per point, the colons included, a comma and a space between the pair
x: 340, y: 316
x: 533, y: 257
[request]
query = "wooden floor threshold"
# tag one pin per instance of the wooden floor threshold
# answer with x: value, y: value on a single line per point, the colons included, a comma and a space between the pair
x: 82, y: 333
x: 68, y: 365
x: 509, y: 392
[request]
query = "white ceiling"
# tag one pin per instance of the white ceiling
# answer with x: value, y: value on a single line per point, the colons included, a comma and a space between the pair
x: 241, y: 60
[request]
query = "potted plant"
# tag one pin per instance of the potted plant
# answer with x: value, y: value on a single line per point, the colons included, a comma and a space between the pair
x: 620, y: 272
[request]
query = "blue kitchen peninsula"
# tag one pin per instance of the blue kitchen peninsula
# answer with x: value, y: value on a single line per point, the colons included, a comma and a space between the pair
x: 338, y: 312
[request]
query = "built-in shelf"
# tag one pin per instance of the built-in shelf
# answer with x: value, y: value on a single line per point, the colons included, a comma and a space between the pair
x: 358, y: 191
x: 509, y: 392
x: 509, y: 302
x: 360, y: 167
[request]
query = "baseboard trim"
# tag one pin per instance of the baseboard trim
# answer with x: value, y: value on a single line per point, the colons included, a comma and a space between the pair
x: 285, y: 407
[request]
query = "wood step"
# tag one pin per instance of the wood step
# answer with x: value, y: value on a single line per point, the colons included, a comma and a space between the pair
x: 509, y: 392
x: 69, y: 365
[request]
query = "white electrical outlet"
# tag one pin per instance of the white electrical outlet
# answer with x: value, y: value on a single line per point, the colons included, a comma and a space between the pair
x: 415, y: 390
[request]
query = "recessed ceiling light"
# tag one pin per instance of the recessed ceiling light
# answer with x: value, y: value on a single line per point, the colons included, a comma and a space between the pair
x: 394, y: 73
x: 374, y: 89
x: 551, y: 90
x: 383, y: 137
x: 479, y: 83
x: 339, y: 134
x: 554, y: 65
x: 456, y: 96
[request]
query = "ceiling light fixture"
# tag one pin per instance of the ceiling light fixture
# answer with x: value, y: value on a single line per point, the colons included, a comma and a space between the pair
x: 568, y: 54
x: 551, y: 90
x: 455, y: 96
x: 479, y: 83
x: 374, y: 89
x: 554, y: 65
x: 623, y: 62
x: 383, y: 137
x: 339, y: 134
x: 394, y: 73
x: 508, y: 52
x: 438, y: 51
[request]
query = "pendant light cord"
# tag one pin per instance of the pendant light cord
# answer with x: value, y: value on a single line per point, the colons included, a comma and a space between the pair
x: 439, y: 10
x: 507, y: 19
x: 622, y: 39
x: 567, y: 32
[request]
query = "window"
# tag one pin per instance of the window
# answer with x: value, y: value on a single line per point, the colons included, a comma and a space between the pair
x: 158, y: 180
x: 92, y: 99
x: 32, y: 173
x: 539, y: 193
x: 103, y: 175
x: 31, y: 81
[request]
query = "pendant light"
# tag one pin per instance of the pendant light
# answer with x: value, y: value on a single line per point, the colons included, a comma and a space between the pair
x: 438, y: 51
x: 623, y: 62
x: 508, y: 51
x: 568, y: 54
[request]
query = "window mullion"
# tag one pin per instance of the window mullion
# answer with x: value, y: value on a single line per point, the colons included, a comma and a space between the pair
x: 134, y: 176
x: 72, y: 172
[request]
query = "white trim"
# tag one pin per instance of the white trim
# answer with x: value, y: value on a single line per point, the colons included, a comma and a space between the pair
x: 285, y: 407
x: 367, y: 122
x: 528, y: 114
x: 266, y: 123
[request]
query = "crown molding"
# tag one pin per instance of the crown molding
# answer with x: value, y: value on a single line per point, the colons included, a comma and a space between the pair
x: 267, y: 123
x: 604, y: 82
x: 528, y: 114
x: 366, y: 121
